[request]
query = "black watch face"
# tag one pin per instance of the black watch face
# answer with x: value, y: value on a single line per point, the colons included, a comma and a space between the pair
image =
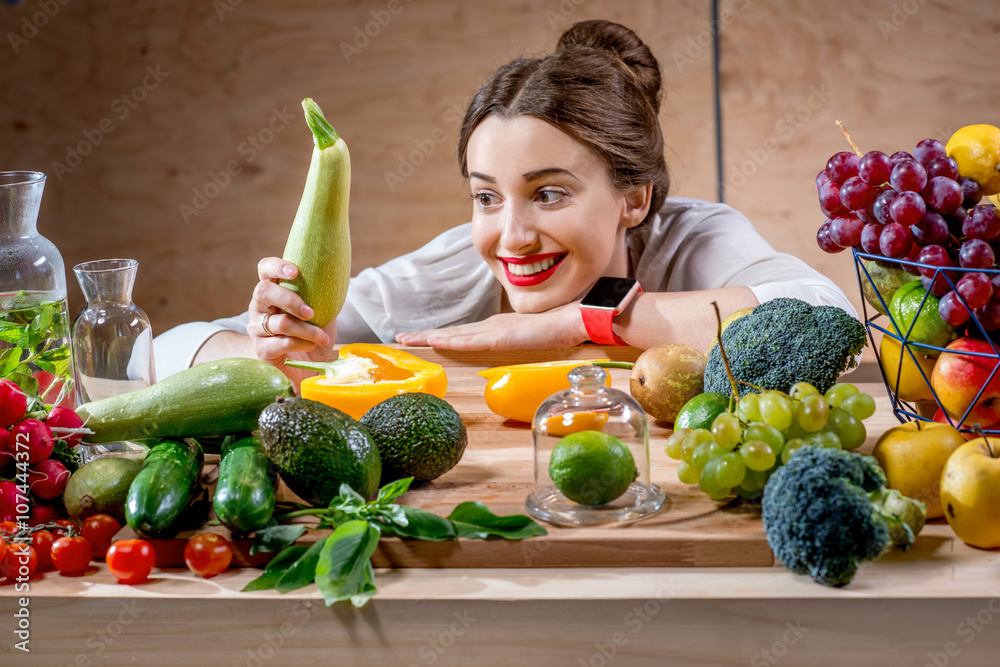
x: 608, y: 292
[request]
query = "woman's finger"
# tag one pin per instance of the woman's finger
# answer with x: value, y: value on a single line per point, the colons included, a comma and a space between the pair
x: 275, y: 268
x: 270, y: 297
x: 275, y: 349
x: 286, y: 326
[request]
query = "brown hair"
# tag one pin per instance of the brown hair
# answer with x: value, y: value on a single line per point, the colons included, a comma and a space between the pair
x: 602, y: 87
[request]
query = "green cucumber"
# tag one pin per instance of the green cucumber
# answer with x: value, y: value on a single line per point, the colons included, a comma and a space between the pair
x: 319, y: 242
x: 217, y: 397
x: 164, y: 487
x: 244, y: 494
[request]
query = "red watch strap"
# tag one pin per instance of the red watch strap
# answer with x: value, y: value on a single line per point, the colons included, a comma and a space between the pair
x: 597, y: 322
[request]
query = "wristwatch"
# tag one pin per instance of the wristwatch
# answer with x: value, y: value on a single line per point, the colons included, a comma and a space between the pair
x: 608, y: 298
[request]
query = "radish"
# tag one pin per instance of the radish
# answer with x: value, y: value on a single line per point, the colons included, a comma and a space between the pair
x: 36, y: 435
x: 63, y: 418
x: 13, y: 403
x: 10, y: 497
x: 44, y: 513
x: 48, y: 479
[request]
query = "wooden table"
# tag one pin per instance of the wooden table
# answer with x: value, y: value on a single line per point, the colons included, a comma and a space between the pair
x: 937, y: 604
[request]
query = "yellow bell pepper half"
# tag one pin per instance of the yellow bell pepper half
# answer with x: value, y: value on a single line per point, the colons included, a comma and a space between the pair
x: 367, y: 374
x: 515, y: 392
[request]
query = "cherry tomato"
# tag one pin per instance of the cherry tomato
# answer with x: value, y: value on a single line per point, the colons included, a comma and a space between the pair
x: 131, y: 561
x: 208, y: 554
x: 3, y: 548
x: 68, y: 526
x: 100, y: 530
x: 8, y: 527
x: 13, y: 561
x: 42, y: 541
x: 71, y: 554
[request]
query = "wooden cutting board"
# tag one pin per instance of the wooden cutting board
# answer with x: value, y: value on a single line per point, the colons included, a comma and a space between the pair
x: 497, y: 469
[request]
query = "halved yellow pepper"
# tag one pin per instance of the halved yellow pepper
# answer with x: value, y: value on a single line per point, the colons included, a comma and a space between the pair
x: 390, y: 372
x: 515, y: 392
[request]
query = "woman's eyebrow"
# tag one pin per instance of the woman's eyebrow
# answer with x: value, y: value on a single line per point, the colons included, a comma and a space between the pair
x: 482, y: 177
x: 539, y: 173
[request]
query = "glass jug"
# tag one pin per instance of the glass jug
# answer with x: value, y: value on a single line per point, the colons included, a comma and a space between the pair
x: 591, y: 445
x: 34, y: 324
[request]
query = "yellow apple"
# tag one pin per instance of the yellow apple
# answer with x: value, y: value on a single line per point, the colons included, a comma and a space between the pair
x: 913, y: 455
x: 905, y: 379
x: 970, y: 492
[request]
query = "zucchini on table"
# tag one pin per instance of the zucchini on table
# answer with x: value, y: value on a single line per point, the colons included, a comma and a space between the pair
x: 319, y: 242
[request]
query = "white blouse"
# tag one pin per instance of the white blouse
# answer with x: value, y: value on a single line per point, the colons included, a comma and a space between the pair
x: 689, y: 245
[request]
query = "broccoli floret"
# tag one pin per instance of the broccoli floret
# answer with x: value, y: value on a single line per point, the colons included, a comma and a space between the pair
x: 784, y: 341
x: 826, y: 511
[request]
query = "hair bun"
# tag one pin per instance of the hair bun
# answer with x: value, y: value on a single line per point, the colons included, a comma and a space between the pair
x: 623, y: 43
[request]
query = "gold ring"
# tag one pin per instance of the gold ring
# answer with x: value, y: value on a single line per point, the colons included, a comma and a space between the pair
x: 263, y: 325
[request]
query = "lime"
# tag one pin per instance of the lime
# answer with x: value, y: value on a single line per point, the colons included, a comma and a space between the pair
x: 591, y: 467
x: 908, y: 307
x: 701, y: 411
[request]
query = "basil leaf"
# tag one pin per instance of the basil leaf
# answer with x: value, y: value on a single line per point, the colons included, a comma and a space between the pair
x: 276, y: 538
x: 474, y: 521
x: 10, y: 359
x: 423, y: 525
x: 36, y: 330
x: 393, y: 490
x: 303, y: 571
x: 275, y: 569
x: 344, y: 571
x: 393, y: 514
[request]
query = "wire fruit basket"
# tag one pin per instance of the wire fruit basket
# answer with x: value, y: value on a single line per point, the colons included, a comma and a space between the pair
x: 915, y: 357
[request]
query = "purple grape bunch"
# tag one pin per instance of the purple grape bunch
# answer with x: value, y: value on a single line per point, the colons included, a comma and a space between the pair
x: 916, y: 208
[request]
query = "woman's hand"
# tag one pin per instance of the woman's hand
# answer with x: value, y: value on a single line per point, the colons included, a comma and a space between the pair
x: 559, y: 327
x: 290, y: 335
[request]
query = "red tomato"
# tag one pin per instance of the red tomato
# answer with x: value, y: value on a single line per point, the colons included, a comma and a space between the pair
x: 42, y: 541
x: 68, y: 526
x: 8, y: 527
x: 131, y: 561
x: 71, y: 554
x: 208, y: 554
x: 3, y: 549
x: 13, y: 561
x: 100, y: 530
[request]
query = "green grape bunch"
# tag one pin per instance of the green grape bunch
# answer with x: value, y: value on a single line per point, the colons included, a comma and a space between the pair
x: 747, y: 443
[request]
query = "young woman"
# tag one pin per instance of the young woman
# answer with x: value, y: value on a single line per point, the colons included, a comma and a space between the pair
x: 564, y: 157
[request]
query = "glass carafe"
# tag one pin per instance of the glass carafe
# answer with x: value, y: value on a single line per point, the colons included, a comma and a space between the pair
x: 35, y: 346
x: 112, y: 337
x: 591, y: 445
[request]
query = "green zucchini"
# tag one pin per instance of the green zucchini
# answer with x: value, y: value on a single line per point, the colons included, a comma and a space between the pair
x: 319, y: 242
x: 164, y: 487
x: 244, y: 494
x: 217, y: 397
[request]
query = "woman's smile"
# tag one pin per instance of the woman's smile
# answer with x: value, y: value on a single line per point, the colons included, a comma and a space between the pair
x: 532, y: 269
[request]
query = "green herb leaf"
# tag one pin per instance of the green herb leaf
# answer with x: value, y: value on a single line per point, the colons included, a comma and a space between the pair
x: 474, y: 521
x: 303, y: 571
x: 57, y: 354
x: 393, y: 514
x: 276, y: 569
x: 276, y: 538
x: 10, y: 333
x: 344, y: 571
x: 36, y: 330
x: 10, y: 359
x: 28, y: 383
x: 393, y: 490
x: 423, y: 525
x: 66, y: 455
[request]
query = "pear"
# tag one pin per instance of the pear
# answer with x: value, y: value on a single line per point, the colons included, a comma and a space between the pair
x: 666, y: 377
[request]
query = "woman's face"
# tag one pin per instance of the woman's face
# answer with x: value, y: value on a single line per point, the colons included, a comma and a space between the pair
x: 546, y: 217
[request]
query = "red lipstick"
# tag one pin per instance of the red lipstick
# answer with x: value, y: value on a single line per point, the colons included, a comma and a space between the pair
x: 536, y: 278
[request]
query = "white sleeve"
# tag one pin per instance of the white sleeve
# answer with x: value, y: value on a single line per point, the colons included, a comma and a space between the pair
x: 443, y: 283
x: 696, y: 245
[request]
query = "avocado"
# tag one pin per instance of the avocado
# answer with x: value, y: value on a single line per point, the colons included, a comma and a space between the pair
x: 418, y: 435
x: 316, y: 448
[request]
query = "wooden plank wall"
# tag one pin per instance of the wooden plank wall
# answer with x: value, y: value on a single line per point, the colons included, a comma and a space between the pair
x: 179, y: 137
